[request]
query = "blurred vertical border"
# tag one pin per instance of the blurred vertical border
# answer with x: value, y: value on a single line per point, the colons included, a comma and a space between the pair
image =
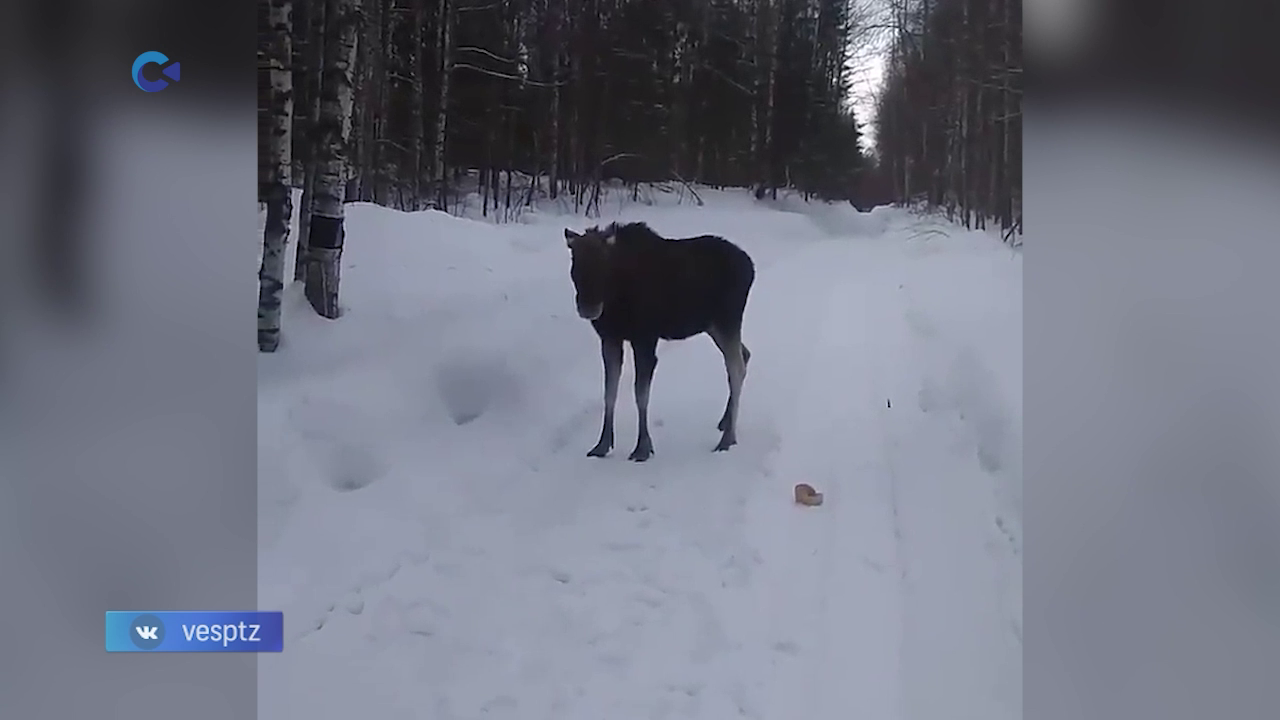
x: 127, y: 358
x: 127, y: 354
x: 1152, y: 185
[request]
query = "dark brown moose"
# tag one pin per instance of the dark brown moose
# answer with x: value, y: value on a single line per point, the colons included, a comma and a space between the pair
x: 636, y: 286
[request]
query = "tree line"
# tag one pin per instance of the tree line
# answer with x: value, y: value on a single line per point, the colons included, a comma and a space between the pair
x: 949, y: 117
x: 567, y: 93
x: 413, y: 104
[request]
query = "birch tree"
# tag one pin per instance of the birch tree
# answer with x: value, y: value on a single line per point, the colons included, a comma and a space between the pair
x: 277, y: 167
x: 306, y: 131
x: 326, y: 231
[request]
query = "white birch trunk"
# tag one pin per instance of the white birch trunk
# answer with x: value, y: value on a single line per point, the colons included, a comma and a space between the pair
x: 315, y: 68
x: 279, y: 169
x: 324, y: 251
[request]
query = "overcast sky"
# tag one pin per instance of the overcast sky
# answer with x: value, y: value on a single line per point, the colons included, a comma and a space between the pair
x: 868, y: 64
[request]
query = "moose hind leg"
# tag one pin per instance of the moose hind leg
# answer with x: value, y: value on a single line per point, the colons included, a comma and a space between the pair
x: 611, y: 353
x: 736, y: 356
x: 646, y: 360
x: 746, y: 360
x: 723, y: 343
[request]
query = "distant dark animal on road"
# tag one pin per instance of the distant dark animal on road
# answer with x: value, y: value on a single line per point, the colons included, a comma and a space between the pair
x: 636, y: 286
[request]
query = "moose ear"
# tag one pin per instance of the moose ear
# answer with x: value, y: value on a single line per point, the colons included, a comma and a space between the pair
x: 570, y: 236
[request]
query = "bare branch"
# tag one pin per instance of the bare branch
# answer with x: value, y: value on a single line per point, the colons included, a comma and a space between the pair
x: 482, y: 51
x: 504, y: 76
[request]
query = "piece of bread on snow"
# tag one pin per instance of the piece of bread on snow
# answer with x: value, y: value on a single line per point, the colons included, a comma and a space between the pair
x: 806, y: 495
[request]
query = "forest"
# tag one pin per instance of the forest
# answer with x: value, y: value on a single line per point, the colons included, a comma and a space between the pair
x: 412, y: 104
x: 949, y: 117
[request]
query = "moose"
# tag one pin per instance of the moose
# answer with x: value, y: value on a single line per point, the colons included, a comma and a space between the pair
x: 637, y: 286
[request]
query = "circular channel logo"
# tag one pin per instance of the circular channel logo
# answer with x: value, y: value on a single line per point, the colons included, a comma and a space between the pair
x: 170, y: 70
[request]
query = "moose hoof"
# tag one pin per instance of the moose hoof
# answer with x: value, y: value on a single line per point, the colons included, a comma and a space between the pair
x: 640, y: 454
x: 599, y: 451
x: 725, y: 444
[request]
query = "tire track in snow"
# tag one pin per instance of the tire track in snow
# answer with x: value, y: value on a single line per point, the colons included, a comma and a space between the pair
x: 539, y: 583
x: 961, y: 608
x: 830, y: 576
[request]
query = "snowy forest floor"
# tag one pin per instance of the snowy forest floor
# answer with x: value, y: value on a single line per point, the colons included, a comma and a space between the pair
x: 442, y: 547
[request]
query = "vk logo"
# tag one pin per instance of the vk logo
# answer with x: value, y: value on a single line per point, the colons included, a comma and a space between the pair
x: 147, y: 632
x: 151, y: 57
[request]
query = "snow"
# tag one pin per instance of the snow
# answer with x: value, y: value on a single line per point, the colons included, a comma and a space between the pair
x: 442, y: 547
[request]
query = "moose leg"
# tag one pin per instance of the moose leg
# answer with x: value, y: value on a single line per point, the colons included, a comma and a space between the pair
x: 611, y: 353
x: 736, y: 356
x: 721, y: 343
x: 645, y: 353
x: 746, y: 360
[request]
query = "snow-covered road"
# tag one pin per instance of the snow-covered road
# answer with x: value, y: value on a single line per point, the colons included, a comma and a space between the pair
x: 443, y: 548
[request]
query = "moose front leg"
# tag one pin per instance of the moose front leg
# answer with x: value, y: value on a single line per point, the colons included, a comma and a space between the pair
x: 611, y: 354
x: 646, y: 359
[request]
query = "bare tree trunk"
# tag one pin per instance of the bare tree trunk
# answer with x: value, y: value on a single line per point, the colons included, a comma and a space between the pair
x: 996, y: 127
x: 1007, y: 206
x: 361, y: 152
x: 277, y: 191
x: 445, y: 40
x: 758, y: 84
x: 576, y: 102
x: 674, y: 86
x: 698, y: 80
x: 304, y: 222
x: 773, y: 40
x: 417, y: 102
x: 558, y: 54
x: 315, y: 72
x: 555, y: 133
x: 324, y: 254
x: 378, y: 27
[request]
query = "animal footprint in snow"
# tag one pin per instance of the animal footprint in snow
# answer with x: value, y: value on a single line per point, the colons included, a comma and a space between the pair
x: 354, y: 604
x: 353, y: 468
x: 806, y: 495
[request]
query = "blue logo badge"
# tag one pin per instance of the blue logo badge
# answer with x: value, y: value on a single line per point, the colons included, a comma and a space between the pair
x: 151, y: 57
x: 146, y: 631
